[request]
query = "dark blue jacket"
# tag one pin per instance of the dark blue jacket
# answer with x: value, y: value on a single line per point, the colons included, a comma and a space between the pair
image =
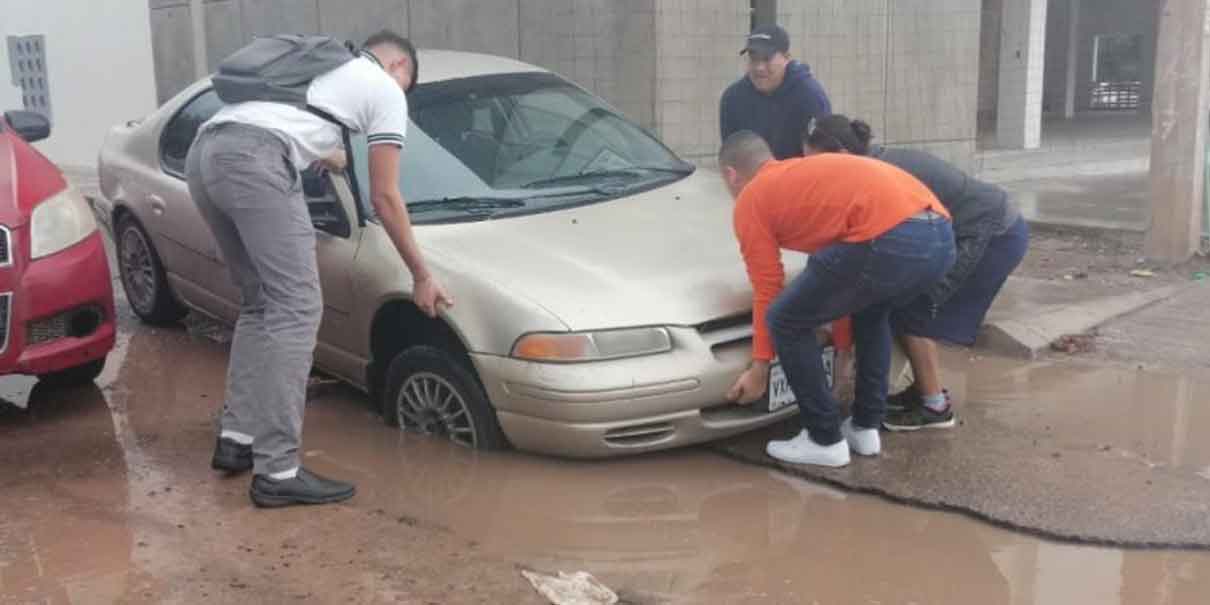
x: 780, y: 117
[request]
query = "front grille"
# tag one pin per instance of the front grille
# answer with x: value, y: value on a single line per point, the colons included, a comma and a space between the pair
x: 6, y: 303
x: 46, y: 330
x: 77, y: 323
x: 6, y: 247
x: 633, y: 436
x: 723, y: 323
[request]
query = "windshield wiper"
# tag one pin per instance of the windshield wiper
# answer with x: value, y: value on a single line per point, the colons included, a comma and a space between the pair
x: 631, y: 171
x: 482, y: 203
x: 467, y: 204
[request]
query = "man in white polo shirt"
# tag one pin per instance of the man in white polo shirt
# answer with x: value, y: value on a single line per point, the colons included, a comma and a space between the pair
x: 243, y: 172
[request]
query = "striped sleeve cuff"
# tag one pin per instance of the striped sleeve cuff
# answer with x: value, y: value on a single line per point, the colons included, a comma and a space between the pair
x: 385, y: 139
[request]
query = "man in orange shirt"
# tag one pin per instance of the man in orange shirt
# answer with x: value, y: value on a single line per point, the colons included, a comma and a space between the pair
x: 877, y: 238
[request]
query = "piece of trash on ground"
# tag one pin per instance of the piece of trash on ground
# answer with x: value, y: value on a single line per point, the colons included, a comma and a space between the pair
x: 1143, y: 273
x: 578, y: 588
x: 1073, y: 343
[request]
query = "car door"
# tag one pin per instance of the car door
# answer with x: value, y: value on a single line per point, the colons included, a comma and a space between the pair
x: 337, y: 236
x: 183, y: 240
x: 190, y: 250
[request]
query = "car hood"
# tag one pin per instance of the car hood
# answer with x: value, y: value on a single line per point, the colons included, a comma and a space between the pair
x: 26, y: 179
x: 667, y: 256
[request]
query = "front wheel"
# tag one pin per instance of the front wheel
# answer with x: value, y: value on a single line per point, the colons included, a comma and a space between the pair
x: 72, y: 377
x: 429, y: 392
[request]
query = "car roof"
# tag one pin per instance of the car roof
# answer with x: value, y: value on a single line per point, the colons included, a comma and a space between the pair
x: 438, y: 65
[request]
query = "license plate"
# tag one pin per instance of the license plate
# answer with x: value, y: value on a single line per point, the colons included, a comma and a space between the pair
x: 780, y: 394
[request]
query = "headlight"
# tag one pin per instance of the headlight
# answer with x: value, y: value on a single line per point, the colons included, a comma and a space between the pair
x: 60, y: 222
x: 592, y: 346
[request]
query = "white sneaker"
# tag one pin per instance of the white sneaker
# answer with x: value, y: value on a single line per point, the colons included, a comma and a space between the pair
x: 801, y: 450
x: 863, y: 442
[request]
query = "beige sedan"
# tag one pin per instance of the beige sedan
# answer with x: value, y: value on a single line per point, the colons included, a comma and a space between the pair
x: 603, y: 307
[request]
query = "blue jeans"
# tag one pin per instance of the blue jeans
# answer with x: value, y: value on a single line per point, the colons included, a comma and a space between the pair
x: 866, y: 281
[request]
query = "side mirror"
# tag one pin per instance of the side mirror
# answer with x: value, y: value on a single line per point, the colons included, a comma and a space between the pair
x: 29, y: 125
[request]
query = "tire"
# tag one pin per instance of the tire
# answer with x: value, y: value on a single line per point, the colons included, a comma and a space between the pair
x: 143, y: 277
x: 443, y: 398
x: 71, y: 377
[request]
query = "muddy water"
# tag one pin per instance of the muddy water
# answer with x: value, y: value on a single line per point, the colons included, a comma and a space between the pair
x: 1157, y: 418
x: 106, y: 498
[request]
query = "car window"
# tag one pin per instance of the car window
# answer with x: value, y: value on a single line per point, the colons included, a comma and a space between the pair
x: 182, y: 129
x: 521, y: 136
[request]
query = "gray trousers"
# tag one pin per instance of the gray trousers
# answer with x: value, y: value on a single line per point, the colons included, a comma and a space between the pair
x: 249, y: 193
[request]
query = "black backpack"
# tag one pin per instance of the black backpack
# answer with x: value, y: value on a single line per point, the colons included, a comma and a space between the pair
x: 280, y: 69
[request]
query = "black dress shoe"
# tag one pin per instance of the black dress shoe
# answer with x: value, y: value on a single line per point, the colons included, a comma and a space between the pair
x: 231, y: 456
x: 304, y: 488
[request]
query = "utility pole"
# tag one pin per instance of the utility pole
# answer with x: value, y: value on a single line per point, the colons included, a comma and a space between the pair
x: 1178, y: 137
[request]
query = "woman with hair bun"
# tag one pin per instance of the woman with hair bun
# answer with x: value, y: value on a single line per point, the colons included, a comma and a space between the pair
x: 991, y: 239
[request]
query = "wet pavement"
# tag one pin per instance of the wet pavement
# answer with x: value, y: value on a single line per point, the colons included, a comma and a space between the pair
x: 107, y: 498
x: 1112, y: 201
x: 1091, y: 453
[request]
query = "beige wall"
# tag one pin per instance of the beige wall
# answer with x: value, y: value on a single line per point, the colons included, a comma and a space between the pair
x: 908, y: 67
x: 698, y: 45
x: 96, y: 77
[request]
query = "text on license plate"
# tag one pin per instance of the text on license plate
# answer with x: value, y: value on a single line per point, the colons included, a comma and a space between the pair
x: 780, y: 393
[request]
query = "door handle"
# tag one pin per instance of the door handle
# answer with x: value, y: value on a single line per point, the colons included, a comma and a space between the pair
x: 158, y: 207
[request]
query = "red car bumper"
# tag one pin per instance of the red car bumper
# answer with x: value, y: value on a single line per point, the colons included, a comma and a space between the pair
x: 60, y: 308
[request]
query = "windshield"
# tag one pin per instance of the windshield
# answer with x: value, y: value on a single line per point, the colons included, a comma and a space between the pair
x: 519, y: 143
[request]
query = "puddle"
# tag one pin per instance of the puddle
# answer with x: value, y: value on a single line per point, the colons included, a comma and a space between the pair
x: 690, y: 527
x: 107, y: 499
x: 1158, y: 418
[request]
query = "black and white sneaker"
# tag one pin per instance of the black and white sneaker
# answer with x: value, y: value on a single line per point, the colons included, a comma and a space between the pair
x: 919, y: 418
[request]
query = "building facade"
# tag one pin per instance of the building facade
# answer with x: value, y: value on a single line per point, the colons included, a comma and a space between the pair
x: 909, y: 67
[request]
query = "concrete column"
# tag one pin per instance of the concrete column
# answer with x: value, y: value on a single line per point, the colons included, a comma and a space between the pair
x: 1178, y: 138
x: 1073, y: 57
x: 197, y: 16
x: 1022, y: 67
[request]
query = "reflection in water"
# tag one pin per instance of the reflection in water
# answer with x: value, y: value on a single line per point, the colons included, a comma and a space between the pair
x: 106, y: 498
x: 689, y: 527
x: 1152, y: 417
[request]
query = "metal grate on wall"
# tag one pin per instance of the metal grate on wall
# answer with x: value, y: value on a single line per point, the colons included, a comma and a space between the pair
x: 27, y: 60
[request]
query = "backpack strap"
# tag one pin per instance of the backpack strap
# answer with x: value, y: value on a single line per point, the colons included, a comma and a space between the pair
x: 325, y: 116
x: 353, y: 50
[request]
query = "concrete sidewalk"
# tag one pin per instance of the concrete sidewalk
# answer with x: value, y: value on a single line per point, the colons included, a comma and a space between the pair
x: 1032, y: 313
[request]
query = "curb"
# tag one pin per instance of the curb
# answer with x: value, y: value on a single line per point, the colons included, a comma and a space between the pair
x: 1026, y: 337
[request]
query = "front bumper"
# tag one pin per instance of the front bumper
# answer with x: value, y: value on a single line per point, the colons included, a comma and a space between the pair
x: 59, y: 285
x: 611, y: 408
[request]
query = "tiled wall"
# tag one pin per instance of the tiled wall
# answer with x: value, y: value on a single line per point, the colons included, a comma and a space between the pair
x: 607, y: 46
x: 698, y: 44
x: 908, y: 67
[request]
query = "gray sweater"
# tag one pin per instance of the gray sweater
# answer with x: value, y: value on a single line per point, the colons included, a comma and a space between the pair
x: 981, y: 211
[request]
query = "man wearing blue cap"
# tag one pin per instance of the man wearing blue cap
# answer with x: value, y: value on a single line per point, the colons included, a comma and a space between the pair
x: 778, y: 97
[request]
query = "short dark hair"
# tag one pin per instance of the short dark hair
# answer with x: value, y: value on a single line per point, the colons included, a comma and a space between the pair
x: 400, y: 43
x: 744, y: 151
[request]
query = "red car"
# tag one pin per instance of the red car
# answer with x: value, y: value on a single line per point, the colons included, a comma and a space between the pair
x: 56, y: 295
